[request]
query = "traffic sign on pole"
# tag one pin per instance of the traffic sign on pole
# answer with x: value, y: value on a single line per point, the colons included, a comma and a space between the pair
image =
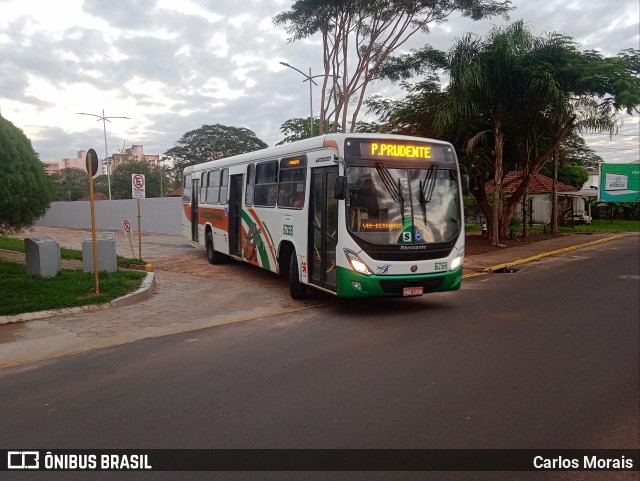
x: 126, y: 227
x: 92, y: 162
x: 137, y: 186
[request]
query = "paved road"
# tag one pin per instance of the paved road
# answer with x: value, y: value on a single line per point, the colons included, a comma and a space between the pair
x: 543, y: 358
x: 191, y: 294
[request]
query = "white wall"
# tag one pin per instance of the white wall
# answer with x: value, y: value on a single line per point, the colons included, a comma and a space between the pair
x: 541, y: 208
x: 593, y: 182
x: 161, y: 215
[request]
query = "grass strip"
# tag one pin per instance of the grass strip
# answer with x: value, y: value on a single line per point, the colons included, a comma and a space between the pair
x: 602, y: 226
x: 70, y: 288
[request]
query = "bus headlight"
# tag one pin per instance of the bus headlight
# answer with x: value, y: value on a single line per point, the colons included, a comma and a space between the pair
x: 356, y: 263
x: 455, y: 263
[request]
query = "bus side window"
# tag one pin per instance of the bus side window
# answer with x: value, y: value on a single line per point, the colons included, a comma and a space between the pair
x: 186, y: 188
x: 203, y: 186
x: 251, y: 182
x: 214, y: 187
x: 266, y: 188
x: 292, y: 182
x: 223, y: 186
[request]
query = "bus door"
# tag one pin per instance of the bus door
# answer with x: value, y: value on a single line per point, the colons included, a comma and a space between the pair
x: 323, y: 227
x: 194, y: 209
x: 235, y: 214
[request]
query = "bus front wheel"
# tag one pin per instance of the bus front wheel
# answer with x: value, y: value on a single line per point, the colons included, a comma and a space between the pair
x: 296, y: 288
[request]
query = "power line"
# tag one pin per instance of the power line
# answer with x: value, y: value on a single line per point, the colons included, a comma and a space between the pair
x: 613, y: 148
x: 612, y: 135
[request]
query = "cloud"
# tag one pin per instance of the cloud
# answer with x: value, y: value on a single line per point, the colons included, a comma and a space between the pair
x: 122, y: 14
x: 172, y: 66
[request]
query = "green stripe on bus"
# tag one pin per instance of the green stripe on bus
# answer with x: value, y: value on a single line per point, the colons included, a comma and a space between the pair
x: 264, y: 255
x: 246, y: 217
x: 270, y: 237
x: 260, y: 243
x: 407, y: 226
x: 267, y: 249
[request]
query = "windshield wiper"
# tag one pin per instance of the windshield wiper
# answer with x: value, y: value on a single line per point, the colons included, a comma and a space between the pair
x: 426, y: 190
x: 395, y: 190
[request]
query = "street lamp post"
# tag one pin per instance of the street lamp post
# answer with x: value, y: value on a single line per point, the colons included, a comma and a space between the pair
x: 310, y: 79
x: 106, y: 151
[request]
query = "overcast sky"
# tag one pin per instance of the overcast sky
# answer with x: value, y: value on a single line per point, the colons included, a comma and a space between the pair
x: 173, y: 65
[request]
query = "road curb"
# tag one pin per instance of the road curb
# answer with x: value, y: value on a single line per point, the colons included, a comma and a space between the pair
x: 143, y: 292
x: 506, y: 265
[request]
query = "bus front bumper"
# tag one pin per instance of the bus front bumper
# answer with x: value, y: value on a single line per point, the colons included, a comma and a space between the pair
x: 353, y: 284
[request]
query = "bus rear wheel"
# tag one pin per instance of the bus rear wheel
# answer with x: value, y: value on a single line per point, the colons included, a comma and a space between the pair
x: 296, y: 288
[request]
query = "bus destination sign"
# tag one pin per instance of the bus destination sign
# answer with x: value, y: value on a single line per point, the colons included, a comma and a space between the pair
x: 378, y: 149
x: 398, y: 150
x: 294, y: 162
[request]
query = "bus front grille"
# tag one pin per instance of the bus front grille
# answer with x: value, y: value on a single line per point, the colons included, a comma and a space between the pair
x: 395, y: 287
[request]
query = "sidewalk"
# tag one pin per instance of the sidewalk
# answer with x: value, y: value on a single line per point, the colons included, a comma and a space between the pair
x: 486, y: 263
x: 190, y: 294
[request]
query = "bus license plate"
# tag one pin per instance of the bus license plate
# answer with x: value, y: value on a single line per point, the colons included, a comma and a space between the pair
x: 412, y: 291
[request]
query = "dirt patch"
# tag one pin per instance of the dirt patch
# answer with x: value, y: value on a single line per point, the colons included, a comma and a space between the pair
x: 475, y: 244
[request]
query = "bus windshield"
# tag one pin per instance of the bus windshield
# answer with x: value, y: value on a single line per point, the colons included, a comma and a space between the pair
x: 392, y: 206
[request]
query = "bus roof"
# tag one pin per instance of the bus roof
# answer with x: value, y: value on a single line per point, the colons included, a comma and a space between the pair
x: 299, y: 147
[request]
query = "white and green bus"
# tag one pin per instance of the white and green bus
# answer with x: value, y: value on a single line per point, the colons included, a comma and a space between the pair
x: 353, y: 215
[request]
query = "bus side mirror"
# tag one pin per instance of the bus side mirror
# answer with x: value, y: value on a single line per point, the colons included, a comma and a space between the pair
x: 466, y: 189
x: 340, y: 188
x: 464, y: 180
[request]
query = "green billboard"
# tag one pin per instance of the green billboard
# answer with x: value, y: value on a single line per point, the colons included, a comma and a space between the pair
x: 619, y: 182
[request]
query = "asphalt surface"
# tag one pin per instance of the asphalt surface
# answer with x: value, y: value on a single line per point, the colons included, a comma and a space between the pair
x: 190, y: 294
x: 509, y: 368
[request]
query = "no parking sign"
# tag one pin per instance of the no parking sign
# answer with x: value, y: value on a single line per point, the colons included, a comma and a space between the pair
x: 126, y: 227
x: 137, y: 186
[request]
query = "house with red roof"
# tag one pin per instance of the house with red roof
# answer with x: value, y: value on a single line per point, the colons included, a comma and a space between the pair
x: 540, y: 192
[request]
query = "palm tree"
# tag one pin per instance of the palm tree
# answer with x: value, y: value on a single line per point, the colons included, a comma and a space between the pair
x: 530, y: 92
x: 491, y: 86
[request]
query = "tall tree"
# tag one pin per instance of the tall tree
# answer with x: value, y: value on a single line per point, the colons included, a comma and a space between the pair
x: 415, y: 114
x: 486, y: 84
x: 211, y: 142
x: 26, y: 190
x: 359, y: 38
x: 596, y: 91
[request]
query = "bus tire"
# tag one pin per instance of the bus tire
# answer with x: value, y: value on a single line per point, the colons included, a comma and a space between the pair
x: 213, y: 256
x: 296, y: 288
